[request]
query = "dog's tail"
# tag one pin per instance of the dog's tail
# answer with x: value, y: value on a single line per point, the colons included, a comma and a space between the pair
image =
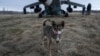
x: 45, y: 22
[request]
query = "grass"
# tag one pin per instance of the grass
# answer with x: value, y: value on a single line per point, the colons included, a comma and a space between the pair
x: 16, y: 31
x: 81, y: 35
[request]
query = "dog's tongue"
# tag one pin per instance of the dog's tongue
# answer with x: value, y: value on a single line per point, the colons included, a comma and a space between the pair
x: 57, y: 32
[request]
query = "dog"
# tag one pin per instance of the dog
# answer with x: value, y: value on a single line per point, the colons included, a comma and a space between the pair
x: 52, y: 31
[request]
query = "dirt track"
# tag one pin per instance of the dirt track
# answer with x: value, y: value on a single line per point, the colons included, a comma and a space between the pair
x: 20, y: 35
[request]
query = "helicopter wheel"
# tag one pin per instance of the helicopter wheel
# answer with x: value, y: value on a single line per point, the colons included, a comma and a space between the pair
x: 69, y: 9
x: 66, y: 15
x: 89, y: 9
x: 36, y: 10
x: 63, y: 11
x: 83, y: 11
x: 24, y: 10
x: 41, y: 14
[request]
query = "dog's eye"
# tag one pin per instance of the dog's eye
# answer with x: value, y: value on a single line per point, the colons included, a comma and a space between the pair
x: 59, y: 29
x: 55, y: 28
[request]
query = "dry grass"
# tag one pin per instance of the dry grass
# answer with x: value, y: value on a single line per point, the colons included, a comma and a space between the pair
x: 20, y: 35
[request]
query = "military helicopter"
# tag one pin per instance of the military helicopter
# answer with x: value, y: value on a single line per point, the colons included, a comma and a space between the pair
x: 53, y: 7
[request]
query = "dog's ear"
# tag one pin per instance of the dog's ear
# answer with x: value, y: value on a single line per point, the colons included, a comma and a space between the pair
x: 63, y: 24
x: 53, y: 23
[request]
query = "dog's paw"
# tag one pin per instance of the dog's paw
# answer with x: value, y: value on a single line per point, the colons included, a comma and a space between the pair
x: 58, y: 51
x: 49, y: 55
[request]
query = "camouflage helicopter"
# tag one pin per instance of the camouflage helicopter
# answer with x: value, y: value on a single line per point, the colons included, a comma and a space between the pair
x: 53, y: 7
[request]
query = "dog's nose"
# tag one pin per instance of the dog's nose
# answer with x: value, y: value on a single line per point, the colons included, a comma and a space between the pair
x: 57, y: 41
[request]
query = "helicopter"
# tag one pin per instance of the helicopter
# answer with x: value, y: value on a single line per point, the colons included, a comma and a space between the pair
x: 53, y: 7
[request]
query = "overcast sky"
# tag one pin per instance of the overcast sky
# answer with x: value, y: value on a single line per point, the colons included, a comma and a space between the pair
x: 17, y: 5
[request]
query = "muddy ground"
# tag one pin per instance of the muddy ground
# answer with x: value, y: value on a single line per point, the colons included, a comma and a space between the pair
x: 20, y: 35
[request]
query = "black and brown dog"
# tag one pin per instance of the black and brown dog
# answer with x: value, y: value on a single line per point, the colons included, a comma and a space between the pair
x: 53, y: 31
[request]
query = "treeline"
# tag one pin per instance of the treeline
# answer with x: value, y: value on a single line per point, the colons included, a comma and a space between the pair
x: 10, y: 12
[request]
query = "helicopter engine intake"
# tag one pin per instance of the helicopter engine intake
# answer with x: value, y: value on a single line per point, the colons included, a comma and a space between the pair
x: 46, y: 2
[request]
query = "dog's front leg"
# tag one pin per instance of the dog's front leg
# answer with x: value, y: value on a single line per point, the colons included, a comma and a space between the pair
x: 42, y: 40
x: 49, y: 48
x: 58, y: 47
